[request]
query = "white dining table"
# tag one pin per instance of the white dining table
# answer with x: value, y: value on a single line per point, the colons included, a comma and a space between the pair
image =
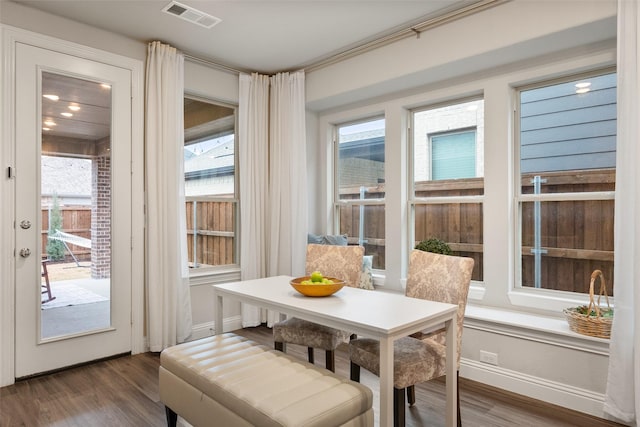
x: 385, y: 316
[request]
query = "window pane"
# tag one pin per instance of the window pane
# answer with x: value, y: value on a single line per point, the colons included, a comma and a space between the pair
x: 568, y: 136
x: 457, y: 224
x: 361, y: 160
x: 448, y: 142
x: 563, y: 242
x: 448, y: 161
x: 365, y: 226
x: 209, y: 171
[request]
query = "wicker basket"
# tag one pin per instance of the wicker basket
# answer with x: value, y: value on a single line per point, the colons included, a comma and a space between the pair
x: 595, y: 326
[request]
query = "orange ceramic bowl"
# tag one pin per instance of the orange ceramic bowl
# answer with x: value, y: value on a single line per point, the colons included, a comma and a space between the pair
x: 319, y: 290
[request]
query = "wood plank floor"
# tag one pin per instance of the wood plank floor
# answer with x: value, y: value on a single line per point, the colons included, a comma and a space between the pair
x: 124, y: 392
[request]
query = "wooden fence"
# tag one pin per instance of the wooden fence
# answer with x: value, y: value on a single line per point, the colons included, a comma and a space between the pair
x: 75, y: 220
x: 213, y: 231
x: 577, y: 235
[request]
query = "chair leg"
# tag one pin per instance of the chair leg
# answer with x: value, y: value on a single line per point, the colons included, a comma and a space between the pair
x: 279, y: 346
x: 172, y: 417
x: 398, y: 407
x: 46, y: 286
x: 411, y: 395
x: 355, y: 372
x: 310, y: 354
x: 330, y: 360
x: 458, y: 397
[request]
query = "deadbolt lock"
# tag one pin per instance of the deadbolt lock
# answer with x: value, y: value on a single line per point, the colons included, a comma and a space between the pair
x: 25, y: 224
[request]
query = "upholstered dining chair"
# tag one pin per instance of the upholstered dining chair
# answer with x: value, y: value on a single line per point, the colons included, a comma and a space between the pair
x: 420, y: 357
x: 342, y: 262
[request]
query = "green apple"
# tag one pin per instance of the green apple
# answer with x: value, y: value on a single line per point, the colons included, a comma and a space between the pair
x: 316, y: 276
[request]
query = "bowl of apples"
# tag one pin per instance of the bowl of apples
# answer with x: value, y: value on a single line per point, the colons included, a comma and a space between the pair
x: 317, y: 285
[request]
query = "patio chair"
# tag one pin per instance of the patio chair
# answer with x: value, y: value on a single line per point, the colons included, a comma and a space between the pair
x: 46, y: 287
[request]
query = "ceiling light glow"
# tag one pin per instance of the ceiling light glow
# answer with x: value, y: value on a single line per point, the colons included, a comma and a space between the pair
x: 583, y: 90
x: 66, y: 114
x: 582, y: 85
x: 51, y: 97
x: 46, y: 128
x: 50, y: 123
x: 74, y: 107
x: 105, y: 86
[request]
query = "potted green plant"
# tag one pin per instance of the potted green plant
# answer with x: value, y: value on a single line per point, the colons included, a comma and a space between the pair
x: 434, y: 245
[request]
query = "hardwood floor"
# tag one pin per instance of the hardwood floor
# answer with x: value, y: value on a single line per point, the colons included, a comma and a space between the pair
x: 124, y: 392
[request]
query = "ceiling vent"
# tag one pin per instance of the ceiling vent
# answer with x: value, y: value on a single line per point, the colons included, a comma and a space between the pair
x: 190, y: 14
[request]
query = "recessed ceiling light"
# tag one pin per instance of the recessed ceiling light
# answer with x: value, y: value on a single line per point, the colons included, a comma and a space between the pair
x: 51, y: 97
x: 46, y: 128
x: 74, y: 107
x: 50, y: 123
x: 66, y: 114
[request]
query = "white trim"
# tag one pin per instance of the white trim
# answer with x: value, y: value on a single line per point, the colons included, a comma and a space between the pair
x: 532, y: 327
x: 214, y: 275
x: 11, y: 36
x: 7, y: 290
x: 207, y: 329
x: 553, y: 392
x: 549, y: 300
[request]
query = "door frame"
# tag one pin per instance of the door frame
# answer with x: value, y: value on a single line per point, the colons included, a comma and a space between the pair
x: 9, y: 36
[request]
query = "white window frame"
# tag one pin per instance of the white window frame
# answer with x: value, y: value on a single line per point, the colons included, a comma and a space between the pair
x: 476, y: 291
x: 540, y: 298
x: 222, y: 273
x: 497, y: 292
x: 337, y: 202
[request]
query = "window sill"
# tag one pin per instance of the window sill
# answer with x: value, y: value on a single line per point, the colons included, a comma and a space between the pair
x: 532, y: 327
x: 212, y: 276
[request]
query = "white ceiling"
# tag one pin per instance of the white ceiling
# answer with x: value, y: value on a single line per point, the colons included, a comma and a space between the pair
x: 255, y: 35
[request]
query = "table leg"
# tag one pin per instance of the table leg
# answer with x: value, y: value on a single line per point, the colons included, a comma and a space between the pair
x: 452, y: 384
x: 218, y: 307
x: 386, y: 382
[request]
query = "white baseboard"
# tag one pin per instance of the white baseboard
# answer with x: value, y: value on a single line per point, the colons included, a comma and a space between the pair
x: 206, y: 329
x: 553, y: 392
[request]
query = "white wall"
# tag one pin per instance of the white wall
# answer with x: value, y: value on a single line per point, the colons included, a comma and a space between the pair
x: 484, y: 54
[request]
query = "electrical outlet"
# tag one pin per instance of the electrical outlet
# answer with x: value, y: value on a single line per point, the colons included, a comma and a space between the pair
x: 487, y: 357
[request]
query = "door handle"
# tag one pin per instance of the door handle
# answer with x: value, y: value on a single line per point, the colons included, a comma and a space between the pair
x: 25, y: 252
x: 25, y: 224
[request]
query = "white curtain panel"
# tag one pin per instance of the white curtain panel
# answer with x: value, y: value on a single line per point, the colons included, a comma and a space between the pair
x: 622, y: 399
x: 287, y: 176
x: 168, y: 298
x: 253, y: 147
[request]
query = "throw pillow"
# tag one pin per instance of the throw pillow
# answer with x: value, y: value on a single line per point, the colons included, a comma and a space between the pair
x: 339, y: 239
x: 314, y: 238
x: 366, y: 277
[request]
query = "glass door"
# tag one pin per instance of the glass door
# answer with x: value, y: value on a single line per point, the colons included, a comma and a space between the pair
x: 73, y: 210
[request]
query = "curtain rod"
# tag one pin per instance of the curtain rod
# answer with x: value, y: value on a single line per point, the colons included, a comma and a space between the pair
x: 213, y: 64
x: 413, y: 31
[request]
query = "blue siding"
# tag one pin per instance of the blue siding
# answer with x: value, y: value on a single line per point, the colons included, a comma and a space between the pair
x: 562, y: 130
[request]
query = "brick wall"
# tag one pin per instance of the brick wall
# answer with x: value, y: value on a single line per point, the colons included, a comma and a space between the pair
x: 101, y: 218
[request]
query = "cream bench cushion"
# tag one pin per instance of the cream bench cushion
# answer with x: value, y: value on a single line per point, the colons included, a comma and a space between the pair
x: 228, y: 380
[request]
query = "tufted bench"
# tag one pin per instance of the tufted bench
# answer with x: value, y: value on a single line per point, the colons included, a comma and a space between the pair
x: 228, y: 380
